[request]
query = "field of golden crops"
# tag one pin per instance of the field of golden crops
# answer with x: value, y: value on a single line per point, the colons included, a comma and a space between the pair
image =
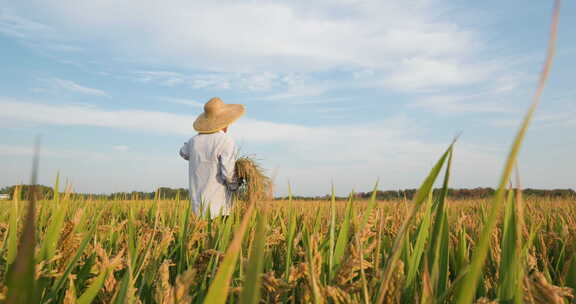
x: 291, y: 252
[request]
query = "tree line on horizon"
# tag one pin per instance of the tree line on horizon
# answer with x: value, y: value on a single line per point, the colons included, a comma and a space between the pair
x: 46, y: 192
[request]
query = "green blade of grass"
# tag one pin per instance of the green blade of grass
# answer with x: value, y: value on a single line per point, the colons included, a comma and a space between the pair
x: 21, y: 281
x: 440, y: 206
x: 183, y: 237
x: 56, y: 196
x: 419, y: 198
x: 251, y: 289
x: 53, y: 232
x: 344, y: 234
x: 465, y: 292
x: 13, y: 228
x: 218, y: 291
x: 423, y: 233
x: 462, y: 257
x: 291, y: 233
x: 132, y: 237
x: 122, y: 295
x: 509, y: 261
x: 92, y: 291
x: 571, y: 274
x: 332, y: 234
x: 439, y: 251
x: 441, y: 269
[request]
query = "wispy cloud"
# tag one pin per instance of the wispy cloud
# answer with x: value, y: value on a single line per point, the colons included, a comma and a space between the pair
x: 299, y: 91
x: 183, y: 101
x: 166, y: 78
x: 17, y: 26
x: 58, y: 84
x: 138, y: 120
x: 284, y: 36
x: 74, y: 115
x: 20, y: 150
x: 121, y: 148
x: 460, y: 104
x: 377, y: 44
x: 423, y: 73
x: 259, y: 81
x: 211, y: 81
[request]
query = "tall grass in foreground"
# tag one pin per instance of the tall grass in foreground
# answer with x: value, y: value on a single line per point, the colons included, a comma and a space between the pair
x: 93, y: 262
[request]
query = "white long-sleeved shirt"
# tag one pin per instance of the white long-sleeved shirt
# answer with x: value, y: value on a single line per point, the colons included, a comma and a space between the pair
x: 211, y: 159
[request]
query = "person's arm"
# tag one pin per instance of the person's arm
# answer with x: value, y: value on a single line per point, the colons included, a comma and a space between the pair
x: 184, y: 153
x: 227, y: 162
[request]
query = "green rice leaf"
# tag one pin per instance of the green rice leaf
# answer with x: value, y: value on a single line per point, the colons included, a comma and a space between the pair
x: 423, y: 233
x: 218, y: 290
x: 13, y: 228
x: 122, y: 295
x: 332, y: 234
x: 344, y: 234
x: 291, y: 232
x: 53, y: 232
x: 419, y: 198
x: 92, y: 291
x: 466, y: 291
x: 21, y: 281
x: 251, y: 289
x: 510, y: 256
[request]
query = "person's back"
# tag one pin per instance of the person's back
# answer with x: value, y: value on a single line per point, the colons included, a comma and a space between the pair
x: 211, y: 158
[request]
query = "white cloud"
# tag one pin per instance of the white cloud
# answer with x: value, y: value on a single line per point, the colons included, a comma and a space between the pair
x: 257, y: 81
x: 162, y: 77
x: 422, y: 73
x: 295, y: 86
x: 139, y: 120
x: 57, y: 84
x: 183, y: 101
x: 15, y: 150
x: 16, y: 26
x: 74, y: 115
x: 458, y: 104
x: 270, y: 46
x: 211, y: 81
x: 20, y: 150
x: 298, y: 91
x: 121, y: 148
x: 261, y: 36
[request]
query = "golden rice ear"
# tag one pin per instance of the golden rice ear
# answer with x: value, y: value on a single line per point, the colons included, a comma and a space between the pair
x: 256, y: 184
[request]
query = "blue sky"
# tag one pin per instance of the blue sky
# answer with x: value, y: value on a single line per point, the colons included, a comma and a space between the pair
x: 336, y: 91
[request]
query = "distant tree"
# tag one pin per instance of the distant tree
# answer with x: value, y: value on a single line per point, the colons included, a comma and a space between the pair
x: 43, y: 192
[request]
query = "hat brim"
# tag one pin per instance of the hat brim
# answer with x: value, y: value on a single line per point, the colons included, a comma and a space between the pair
x: 229, y: 114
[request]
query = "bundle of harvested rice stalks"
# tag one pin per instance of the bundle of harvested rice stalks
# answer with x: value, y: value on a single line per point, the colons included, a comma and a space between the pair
x: 255, y: 185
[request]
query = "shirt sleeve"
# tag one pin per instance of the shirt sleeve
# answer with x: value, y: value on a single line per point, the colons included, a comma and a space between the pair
x: 184, y: 153
x: 227, y: 161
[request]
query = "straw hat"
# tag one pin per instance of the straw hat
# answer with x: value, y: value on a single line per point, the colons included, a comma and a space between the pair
x: 217, y: 116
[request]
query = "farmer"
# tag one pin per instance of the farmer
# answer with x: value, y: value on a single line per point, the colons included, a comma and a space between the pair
x: 211, y: 156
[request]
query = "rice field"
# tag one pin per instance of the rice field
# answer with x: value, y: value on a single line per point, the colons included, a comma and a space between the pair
x: 155, y: 251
